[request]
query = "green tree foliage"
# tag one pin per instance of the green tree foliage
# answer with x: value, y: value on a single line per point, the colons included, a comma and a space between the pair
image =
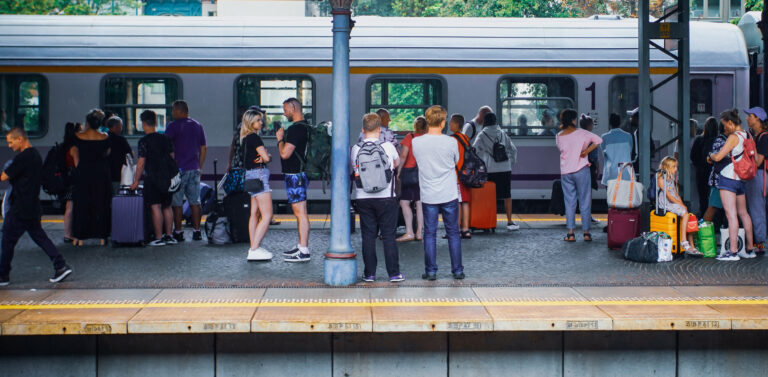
x: 67, y: 7
x: 751, y: 5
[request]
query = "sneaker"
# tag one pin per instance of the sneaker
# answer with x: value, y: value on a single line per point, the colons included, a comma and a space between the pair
x: 169, y: 240
x: 513, y: 226
x: 179, y: 236
x: 728, y: 257
x: 459, y: 276
x: 429, y: 277
x: 747, y: 254
x: 61, y: 274
x: 197, y: 235
x: 158, y: 242
x: 396, y: 278
x: 4, y: 280
x: 259, y: 254
x: 297, y: 258
x: 291, y: 252
x: 594, y: 220
x: 370, y: 278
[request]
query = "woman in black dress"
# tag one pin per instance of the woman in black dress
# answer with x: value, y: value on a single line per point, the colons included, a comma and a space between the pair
x: 92, y: 189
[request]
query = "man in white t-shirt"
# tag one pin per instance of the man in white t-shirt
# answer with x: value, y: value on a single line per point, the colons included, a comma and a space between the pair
x: 437, y: 155
x: 377, y: 210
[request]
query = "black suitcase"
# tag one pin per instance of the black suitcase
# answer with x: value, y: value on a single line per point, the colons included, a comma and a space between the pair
x: 557, y: 200
x: 237, y: 207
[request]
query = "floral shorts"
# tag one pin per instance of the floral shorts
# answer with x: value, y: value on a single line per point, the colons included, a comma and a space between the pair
x: 296, y: 187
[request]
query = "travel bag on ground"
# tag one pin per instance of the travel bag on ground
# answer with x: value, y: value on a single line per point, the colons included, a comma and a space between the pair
x: 663, y: 221
x: 482, y: 208
x: 705, y: 239
x: 623, y: 225
x: 216, y: 223
x: 237, y: 208
x: 725, y: 239
x: 128, y: 221
x: 557, y: 199
x: 650, y: 247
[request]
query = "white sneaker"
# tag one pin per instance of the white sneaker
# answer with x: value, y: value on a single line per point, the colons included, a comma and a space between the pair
x: 259, y: 254
x: 159, y: 242
x: 727, y: 256
x: 747, y: 255
x: 513, y: 226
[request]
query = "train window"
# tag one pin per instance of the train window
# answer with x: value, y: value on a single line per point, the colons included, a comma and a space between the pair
x: 701, y: 99
x: 529, y: 105
x: 405, y: 98
x: 128, y: 96
x: 23, y: 102
x: 624, y: 95
x: 269, y: 92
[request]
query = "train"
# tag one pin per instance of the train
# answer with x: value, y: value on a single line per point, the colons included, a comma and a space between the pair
x: 53, y: 69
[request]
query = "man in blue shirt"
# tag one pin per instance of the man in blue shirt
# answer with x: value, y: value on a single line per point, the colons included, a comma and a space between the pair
x: 616, y: 147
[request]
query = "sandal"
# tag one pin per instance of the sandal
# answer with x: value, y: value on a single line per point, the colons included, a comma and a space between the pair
x: 690, y: 250
x: 587, y: 237
x: 466, y: 235
x: 570, y: 237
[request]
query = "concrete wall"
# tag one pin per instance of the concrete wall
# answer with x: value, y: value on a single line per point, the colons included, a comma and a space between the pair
x: 625, y: 354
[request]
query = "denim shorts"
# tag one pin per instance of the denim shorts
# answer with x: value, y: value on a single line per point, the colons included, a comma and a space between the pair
x: 261, y: 174
x: 189, y: 188
x: 732, y: 185
x: 296, y: 187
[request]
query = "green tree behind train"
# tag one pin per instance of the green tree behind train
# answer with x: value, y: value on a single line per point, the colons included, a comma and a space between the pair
x: 68, y: 7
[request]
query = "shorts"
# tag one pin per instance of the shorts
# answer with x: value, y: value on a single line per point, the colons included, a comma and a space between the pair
x: 463, y: 193
x: 503, y: 184
x: 714, y: 198
x: 411, y: 193
x: 732, y: 185
x: 189, y: 188
x: 676, y: 209
x: 153, y: 195
x: 261, y: 174
x: 296, y: 187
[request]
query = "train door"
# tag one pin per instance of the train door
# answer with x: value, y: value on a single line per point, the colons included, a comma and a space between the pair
x: 710, y: 95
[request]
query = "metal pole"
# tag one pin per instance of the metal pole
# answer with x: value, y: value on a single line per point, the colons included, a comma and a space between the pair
x: 684, y: 97
x: 340, y: 265
x: 645, y: 114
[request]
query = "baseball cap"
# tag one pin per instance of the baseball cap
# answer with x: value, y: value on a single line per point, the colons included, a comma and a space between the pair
x: 758, y: 112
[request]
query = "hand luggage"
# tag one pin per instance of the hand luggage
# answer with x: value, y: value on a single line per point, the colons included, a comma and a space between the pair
x: 482, y: 207
x: 726, y: 241
x: 625, y: 194
x: 216, y: 223
x: 128, y: 221
x: 663, y: 221
x: 643, y: 249
x: 557, y: 199
x: 623, y: 225
x: 237, y: 208
x: 705, y: 239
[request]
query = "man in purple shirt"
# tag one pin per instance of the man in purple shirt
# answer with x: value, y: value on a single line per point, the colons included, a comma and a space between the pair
x: 188, y: 139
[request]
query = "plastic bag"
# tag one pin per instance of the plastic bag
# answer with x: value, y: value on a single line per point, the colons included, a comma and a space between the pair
x: 128, y: 172
x: 705, y: 239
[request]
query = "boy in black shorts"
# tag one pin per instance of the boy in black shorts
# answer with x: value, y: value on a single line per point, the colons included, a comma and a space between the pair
x: 154, y: 149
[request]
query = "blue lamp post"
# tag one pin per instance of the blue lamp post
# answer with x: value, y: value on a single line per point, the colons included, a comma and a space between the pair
x: 340, y: 265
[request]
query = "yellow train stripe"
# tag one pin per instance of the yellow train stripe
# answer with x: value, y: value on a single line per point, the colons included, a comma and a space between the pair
x: 416, y: 303
x: 329, y: 70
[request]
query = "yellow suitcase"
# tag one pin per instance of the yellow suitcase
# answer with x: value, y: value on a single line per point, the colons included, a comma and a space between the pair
x: 668, y: 223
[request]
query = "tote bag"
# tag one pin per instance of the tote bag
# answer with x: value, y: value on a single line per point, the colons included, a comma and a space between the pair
x: 625, y: 194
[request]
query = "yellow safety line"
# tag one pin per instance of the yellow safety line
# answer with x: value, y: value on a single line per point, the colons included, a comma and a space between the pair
x: 386, y: 304
x: 501, y: 218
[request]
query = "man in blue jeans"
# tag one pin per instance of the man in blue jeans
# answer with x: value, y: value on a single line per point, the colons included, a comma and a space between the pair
x: 436, y: 156
x: 189, y: 147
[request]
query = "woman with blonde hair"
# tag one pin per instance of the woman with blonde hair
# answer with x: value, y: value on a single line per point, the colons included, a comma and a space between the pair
x: 666, y: 180
x: 408, y: 173
x: 255, y: 162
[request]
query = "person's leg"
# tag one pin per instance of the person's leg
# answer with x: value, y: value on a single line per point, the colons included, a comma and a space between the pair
x: 729, y: 204
x: 68, y: 219
x: 405, y: 205
x: 387, y: 222
x: 709, y: 215
x: 746, y: 221
x: 300, y: 211
x: 508, y: 209
x: 569, y: 196
x: 368, y: 232
x: 465, y: 217
x: 253, y: 220
x: 157, y: 220
x: 264, y: 204
x: 13, y: 229
x: 419, y: 220
x: 430, y: 241
x: 178, y: 201
x: 450, y: 212
x: 36, y: 232
x: 193, y: 197
x: 583, y: 184
x: 684, y: 226
x: 167, y: 219
x: 756, y: 206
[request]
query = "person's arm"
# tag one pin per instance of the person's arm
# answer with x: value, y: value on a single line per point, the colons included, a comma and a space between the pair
x: 731, y: 143
x: 759, y: 159
x: 286, y: 149
x: 4, y: 177
x: 139, y: 172
x: 75, y: 155
x: 231, y: 156
x: 263, y: 155
x: 203, y: 151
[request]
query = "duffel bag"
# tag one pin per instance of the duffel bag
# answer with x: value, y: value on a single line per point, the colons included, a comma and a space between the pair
x: 625, y: 194
x: 641, y: 249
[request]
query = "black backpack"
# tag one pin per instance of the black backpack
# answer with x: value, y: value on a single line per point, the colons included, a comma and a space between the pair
x: 499, y: 150
x: 473, y: 172
x: 53, y: 178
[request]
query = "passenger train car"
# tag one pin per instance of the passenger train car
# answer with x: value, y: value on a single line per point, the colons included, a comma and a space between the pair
x: 53, y: 69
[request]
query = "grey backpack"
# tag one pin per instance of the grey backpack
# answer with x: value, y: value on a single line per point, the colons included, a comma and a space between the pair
x: 372, y: 172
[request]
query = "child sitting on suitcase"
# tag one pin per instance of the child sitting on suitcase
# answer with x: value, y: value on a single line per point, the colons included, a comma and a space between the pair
x: 666, y: 181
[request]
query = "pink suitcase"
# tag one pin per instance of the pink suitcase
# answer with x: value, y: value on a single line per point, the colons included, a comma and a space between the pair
x: 623, y: 225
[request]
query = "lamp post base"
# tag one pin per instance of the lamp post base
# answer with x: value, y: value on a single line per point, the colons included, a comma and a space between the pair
x: 339, y: 272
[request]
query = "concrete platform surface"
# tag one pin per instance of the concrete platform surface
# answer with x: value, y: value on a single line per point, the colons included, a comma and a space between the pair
x: 347, y: 310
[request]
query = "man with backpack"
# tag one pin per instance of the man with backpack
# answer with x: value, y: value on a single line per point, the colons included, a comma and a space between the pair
x: 472, y: 128
x: 292, y: 145
x: 499, y: 154
x: 374, y: 162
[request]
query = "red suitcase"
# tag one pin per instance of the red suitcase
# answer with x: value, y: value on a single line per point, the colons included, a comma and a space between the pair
x: 482, y: 207
x: 623, y: 225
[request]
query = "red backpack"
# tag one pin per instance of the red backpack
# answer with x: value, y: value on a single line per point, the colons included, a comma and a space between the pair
x: 745, y: 168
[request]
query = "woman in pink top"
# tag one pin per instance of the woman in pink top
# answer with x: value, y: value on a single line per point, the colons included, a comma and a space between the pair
x: 574, y: 145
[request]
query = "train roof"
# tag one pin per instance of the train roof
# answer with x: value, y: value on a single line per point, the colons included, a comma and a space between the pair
x: 375, y: 42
